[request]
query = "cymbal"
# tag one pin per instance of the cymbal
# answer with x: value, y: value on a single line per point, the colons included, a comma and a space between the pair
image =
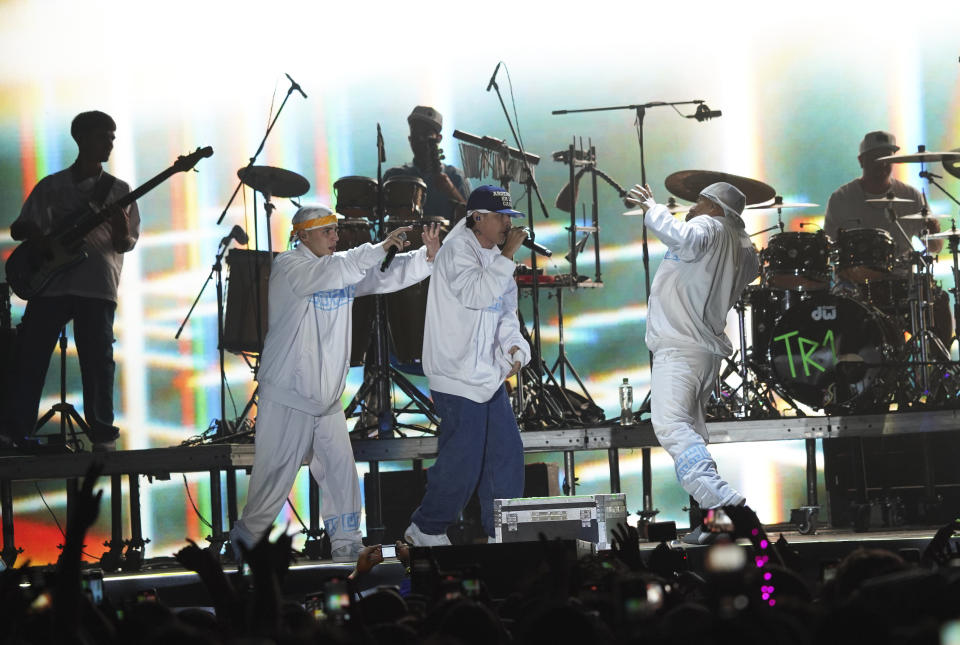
x: 778, y: 203
x: 922, y: 157
x: 671, y: 205
x: 943, y: 235
x: 675, y: 207
x: 890, y: 200
x: 275, y: 182
x: 924, y: 216
x: 687, y: 184
x: 953, y: 166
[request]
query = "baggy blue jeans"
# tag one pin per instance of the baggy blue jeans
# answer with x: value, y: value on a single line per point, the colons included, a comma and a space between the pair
x: 479, y: 448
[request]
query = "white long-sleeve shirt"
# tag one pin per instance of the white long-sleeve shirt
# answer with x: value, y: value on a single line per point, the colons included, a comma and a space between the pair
x: 709, y: 260
x: 471, y: 319
x: 307, y: 349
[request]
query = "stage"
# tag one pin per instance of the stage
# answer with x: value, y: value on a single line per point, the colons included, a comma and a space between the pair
x: 223, y: 461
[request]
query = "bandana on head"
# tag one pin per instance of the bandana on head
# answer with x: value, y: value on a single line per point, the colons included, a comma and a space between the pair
x: 310, y: 217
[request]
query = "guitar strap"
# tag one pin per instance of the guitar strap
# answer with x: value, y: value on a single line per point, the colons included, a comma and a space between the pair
x: 102, y: 189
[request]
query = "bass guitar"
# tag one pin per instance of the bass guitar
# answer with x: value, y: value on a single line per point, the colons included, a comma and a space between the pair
x: 36, y: 261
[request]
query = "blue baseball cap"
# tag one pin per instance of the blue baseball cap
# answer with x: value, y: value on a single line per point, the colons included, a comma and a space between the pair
x: 493, y: 199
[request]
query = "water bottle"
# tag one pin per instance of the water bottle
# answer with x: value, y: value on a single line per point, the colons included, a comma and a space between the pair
x: 626, y: 403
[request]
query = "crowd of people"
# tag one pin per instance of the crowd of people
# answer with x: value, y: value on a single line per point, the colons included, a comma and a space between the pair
x: 627, y: 595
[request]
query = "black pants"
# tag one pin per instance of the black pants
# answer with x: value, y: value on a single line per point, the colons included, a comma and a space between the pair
x: 37, y: 338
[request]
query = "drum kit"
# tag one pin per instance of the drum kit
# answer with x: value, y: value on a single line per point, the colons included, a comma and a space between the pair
x: 844, y: 326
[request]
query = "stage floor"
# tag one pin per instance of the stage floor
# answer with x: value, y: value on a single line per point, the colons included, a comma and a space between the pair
x: 805, y: 554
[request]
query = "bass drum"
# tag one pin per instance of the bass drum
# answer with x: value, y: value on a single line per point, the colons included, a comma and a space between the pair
x: 353, y: 232
x: 407, y: 308
x: 834, y: 353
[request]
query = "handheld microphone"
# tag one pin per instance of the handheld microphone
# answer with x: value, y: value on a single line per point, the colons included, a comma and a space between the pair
x: 295, y: 85
x: 533, y: 246
x: 236, y: 233
x: 494, y: 77
x: 391, y: 253
x: 703, y: 113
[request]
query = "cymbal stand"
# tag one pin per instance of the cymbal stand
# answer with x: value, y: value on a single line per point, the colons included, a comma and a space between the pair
x: 374, y: 396
x: 932, y: 179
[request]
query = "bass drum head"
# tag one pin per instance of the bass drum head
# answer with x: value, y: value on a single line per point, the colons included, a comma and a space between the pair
x: 832, y: 352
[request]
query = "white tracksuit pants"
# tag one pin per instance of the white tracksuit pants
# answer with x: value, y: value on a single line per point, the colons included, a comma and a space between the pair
x: 286, y: 436
x: 682, y: 380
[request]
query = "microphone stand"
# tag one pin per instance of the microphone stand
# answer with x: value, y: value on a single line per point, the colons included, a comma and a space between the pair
x: 531, y: 182
x: 215, y: 270
x: 648, y: 511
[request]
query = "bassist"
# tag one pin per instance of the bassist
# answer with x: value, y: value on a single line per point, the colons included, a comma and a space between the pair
x: 86, y: 293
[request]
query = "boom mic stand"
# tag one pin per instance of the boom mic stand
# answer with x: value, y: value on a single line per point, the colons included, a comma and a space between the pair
x: 702, y: 113
x: 531, y: 184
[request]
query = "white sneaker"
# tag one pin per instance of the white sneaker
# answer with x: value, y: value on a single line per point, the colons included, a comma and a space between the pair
x: 413, y: 535
x: 348, y: 552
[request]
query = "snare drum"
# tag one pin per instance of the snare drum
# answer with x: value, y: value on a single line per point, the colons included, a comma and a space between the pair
x: 352, y: 233
x: 407, y: 308
x: 356, y: 196
x: 403, y: 197
x: 865, y: 254
x: 834, y: 352
x: 797, y: 260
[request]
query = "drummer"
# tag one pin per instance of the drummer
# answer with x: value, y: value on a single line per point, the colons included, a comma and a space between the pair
x: 848, y: 208
x: 447, y: 188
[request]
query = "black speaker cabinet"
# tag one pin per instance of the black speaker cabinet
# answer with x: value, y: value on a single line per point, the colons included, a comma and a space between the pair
x: 905, y: 479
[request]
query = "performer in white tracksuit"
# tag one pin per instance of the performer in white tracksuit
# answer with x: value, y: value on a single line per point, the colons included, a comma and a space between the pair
x: 709, y: 261
x: 471, y: 344
x: 303, y: 371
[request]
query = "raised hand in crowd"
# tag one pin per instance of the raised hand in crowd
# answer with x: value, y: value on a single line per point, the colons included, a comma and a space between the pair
x: 206, y: 564
x: 370, y: 556
x: 941, y: 550
x: 626, y: 546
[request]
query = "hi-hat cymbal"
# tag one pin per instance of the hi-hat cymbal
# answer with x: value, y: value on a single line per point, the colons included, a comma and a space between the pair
x: 778, y: 203
x: 922, y: 157
x: 890, y: 200
x: 671, y: 205
x: 943, y: 235
x: 924, y: 216
x: 275, y: 182
x: 953, y: 166
x: 675, y: 207
x: 687, y: 184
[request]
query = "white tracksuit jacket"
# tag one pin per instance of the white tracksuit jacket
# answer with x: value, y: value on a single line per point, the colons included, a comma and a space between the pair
x: 471, y: 319
x: 306, y: 352
x: 708, y: 263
